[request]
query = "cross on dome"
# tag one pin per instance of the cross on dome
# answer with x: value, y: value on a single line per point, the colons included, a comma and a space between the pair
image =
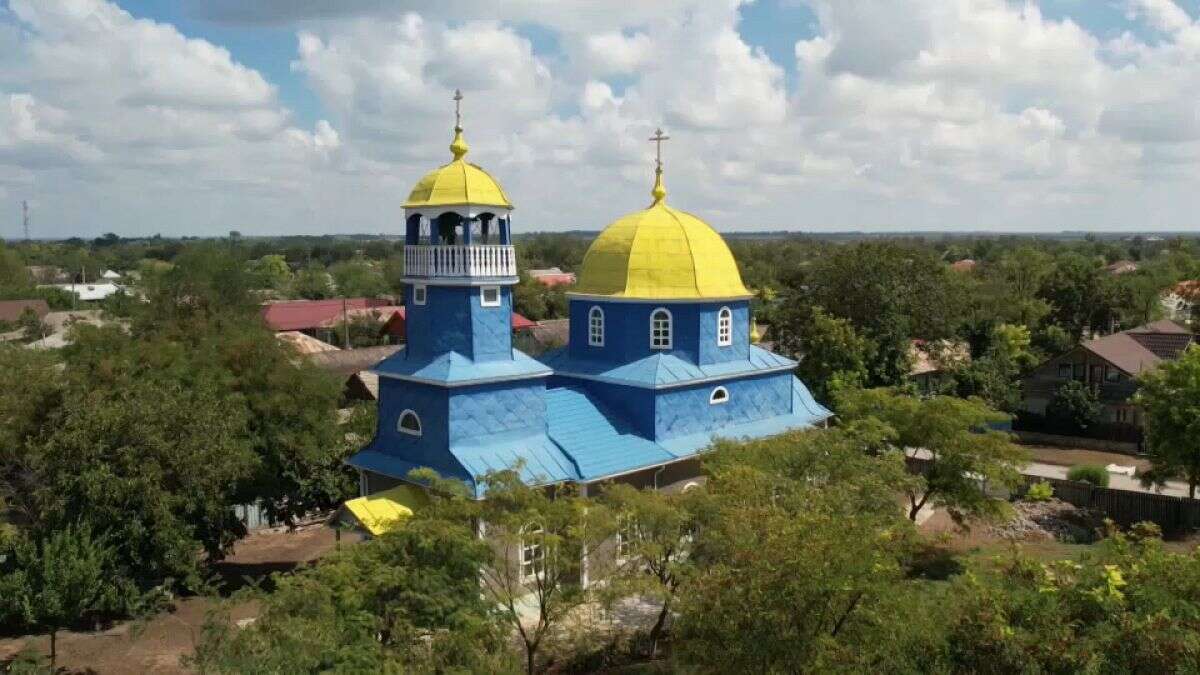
x: 659, y: 192
x: 459, y: 145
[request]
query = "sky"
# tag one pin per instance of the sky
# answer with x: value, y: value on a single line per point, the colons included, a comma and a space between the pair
x: 197, y: 117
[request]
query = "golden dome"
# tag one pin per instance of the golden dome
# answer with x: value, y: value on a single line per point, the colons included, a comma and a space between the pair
x: 660, y: 253
x: 457, y: 183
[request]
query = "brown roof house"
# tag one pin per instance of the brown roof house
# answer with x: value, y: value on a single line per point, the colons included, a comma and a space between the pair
x: 932, y: 362
x: 1110, y: 366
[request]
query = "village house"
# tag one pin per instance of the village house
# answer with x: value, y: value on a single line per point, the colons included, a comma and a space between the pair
x: 552, y: 276
x: 659, y: 361
x: 1181, y: 302
x: 1110, y: 366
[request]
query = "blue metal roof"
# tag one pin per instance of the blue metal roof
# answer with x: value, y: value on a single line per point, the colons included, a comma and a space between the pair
x: 453, y: 368
x: 600, y: 442
x: 665, y: 370
x: 535, y: 456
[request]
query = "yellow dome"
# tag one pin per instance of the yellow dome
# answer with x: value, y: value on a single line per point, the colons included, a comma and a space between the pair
x: 459, y: 182
x: 660, y: 253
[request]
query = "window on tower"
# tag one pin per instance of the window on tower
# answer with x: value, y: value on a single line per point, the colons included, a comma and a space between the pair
x: 660, y: 329
x: 596, y: 327
x: 409, y: 423
x: 419, y: 294
x: 724, y: 327
x: 489, y: 296
x: 718, y: 396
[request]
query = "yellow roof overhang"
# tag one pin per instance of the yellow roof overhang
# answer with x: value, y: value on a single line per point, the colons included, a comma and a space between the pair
x: 383, y: 510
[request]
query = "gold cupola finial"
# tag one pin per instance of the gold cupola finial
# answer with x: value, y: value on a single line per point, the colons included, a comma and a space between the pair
x: 660, y: 191
x: 459, y: 145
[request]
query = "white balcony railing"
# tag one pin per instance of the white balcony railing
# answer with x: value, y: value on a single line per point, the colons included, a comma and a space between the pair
x: 491, y: 260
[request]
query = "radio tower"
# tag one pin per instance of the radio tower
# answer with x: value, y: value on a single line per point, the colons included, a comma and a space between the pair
x: 25, y: 217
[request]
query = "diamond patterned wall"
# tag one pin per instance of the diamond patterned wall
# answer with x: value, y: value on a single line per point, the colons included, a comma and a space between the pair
x: 679, y: 412
x: 498, y: 408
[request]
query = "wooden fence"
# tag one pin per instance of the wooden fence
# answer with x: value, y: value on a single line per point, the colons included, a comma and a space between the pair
x: 1174, y: 515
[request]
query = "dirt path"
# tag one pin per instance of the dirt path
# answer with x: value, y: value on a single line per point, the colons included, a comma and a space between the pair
x: 157, y: 645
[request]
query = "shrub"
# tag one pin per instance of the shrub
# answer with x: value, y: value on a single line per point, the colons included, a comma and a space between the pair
x: 1040, y: 491
x: 1089, y: 473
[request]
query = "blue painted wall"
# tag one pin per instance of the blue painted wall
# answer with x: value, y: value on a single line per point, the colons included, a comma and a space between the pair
x: 497, y: 408
x: 431, y: 405
x: 627, y: 331
x: 686, y: 410
x: 453, y: 319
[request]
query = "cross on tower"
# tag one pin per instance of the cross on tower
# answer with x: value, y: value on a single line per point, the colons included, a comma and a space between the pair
x: 458, y: 97
x: 658, y: 138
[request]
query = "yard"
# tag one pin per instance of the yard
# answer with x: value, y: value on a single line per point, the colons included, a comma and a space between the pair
x: 156, y: 645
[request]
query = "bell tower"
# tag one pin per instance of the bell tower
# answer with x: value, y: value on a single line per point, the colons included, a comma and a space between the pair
x: 459, y: 261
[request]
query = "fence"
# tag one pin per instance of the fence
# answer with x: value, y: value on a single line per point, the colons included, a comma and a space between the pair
x: 253, y: 517
x: 1102, y: 431
x: 491, y: 260
x: 1173, y: 514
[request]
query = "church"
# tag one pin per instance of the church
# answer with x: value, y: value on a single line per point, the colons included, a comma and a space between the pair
x: 660, y: 363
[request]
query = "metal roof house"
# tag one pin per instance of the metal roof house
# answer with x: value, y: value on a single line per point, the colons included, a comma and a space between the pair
x: 658, y: 365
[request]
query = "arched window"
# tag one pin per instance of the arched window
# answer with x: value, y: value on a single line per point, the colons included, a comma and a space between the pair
x: 724, y: 327
x: 718, y: 395
x: 660, y: 329
x: 409, y: 423
x: 596, y: 327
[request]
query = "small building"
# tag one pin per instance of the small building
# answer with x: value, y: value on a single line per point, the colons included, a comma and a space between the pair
x: 1110, y: 366
x: 110, y: 275
x: 1181, y: 302
x: 932, y: 362
x: 91, y: 292
x: 965, y: 265
x: 552, y: 276
x: 1121, y: 267
x: 315, y: 317
x: 355, y: 365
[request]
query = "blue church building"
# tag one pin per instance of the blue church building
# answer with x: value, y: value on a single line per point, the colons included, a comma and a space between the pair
x: 661, y: 360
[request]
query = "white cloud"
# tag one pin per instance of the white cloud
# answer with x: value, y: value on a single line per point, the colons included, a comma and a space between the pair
x: 901, y: 113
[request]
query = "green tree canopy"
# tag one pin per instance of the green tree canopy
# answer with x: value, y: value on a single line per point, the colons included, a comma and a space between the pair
x: 1170, y: 399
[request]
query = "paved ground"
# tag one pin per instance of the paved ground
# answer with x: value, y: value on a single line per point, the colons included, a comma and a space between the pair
x: 157, y: 645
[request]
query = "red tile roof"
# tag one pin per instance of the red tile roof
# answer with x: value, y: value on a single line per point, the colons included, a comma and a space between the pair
x: 395, y: 324
x: 10, y: 310
x: 308, y: 314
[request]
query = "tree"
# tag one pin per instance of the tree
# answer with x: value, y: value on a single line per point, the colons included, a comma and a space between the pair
x: 32, y: 325
x: 358, y: 278
x: 951, y: 437
x: 57, y: 581
x: 830, y: 351
x: 890, y: 293
x: 652, y: 533
x: 312, y: 282
x: 1169, y: 396
x: 407, y: 601
x: 273, y: 272
x: 995, y: 376
x: 799, y: 540
x: 1074, y: 407
x: 539, y: 536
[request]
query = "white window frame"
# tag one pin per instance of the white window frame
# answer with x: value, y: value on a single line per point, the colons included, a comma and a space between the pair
x: 626, y: 534
x: 724, y: 327
x: 713, y: 397
x: 532, y: 553
x: 596, y: 327
x: 420, y: 294
x: 483, y: 293
x: 405, y: 430
x: 670, y: 330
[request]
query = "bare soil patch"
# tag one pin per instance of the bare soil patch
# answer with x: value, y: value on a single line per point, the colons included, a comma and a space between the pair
x: 158, y: 644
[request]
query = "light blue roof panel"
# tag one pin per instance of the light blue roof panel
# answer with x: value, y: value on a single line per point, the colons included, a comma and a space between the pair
x: 600, y: 442
x: 665, y: 370
x: 453, y: 368
x: 535, y: 456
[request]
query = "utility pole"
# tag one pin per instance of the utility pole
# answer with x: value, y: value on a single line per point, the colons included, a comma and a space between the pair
x: 25, y: 217
x: 345, y: 324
